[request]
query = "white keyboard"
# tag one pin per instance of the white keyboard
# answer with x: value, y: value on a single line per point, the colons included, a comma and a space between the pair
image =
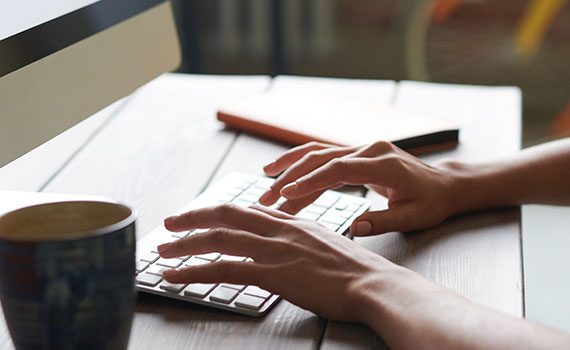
x: 333, y: 209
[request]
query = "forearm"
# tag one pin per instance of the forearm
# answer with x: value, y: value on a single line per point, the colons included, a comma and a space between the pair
x: 539, y: 174
x: 408, y: 311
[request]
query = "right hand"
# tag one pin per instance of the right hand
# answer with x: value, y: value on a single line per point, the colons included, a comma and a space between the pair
x: 335, y: 273
x: 419, y: 195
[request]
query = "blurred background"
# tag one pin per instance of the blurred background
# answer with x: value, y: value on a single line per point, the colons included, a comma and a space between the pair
x: 491, y: 42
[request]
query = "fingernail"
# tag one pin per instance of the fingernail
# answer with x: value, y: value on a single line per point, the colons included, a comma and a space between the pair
x: 170, y: 220
x: 290, y: 188
x: 363, y: 228
x: 169, y: 273
x: 163, y: 248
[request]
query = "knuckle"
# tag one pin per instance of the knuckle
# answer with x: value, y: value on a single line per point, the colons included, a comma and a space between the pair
x: 316, y: 145
x: 382, y: 146
x: 313, y: 144
x: 311, y: 157
x: 219, y: 234
x: 339, y: 165
x: 225, y: 209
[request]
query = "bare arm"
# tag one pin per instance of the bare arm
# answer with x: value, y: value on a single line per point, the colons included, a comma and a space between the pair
x: 539, y: 175
x: 347, y: 282
x: 343, y: 281
x: 536, y: 175
x: 414, y: 313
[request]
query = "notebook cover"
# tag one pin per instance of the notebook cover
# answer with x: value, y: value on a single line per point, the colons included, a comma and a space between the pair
x: 297, y: 118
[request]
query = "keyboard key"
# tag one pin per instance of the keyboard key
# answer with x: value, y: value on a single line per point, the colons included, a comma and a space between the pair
x: 223, y: 295
x: 180, y: 234
x: 242, y: 203
x: 329, y: 225
x: 264, y: 182
x: 341, y: 205
x: 244, y: 184
x: 327, y: 199
x: 168, y: 239
x: 201, y: 230
x: 353, y: 207
x: 148, y: 279
x: 208, y: 256
x: 249, y: 301
x: 333, y: 218
x: 248, y: 197
x: 304, y: 214
x: 175, y: 288
x: 346, y: 214
x: 255, y: 191
x: 184, y: 258
x: 231, y: 258
x: 238, y: 287
x: 256, y: 291
x: 316, y: 209
x: 199, y: 290
x: 234, y: 192
x: 157, y: 270
x: 194, y: 261
x: 150, y: 257
x: 226, y: 198
x: 172, y: 263
x: 141, y: 265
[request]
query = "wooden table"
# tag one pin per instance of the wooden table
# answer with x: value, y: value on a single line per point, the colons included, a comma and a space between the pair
x: 162, y: 146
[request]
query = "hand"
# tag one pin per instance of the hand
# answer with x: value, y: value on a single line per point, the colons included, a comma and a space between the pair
x: 304, y: 262
x: 419, y: 195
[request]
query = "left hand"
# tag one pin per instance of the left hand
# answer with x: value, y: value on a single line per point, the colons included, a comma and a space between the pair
x: 419, y: 195
x: 306, y: 263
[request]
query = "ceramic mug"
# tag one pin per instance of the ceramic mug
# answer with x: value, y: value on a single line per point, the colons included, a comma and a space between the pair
x: 67, y: 274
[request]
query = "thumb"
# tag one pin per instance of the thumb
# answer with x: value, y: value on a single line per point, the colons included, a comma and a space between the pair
x: 401, y: 218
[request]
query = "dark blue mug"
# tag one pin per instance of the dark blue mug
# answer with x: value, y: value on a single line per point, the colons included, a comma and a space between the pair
x: 67, y: 275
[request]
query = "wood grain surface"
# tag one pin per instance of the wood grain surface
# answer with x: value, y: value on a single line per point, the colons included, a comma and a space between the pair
x: 165, y: 147
x: 161, y: 150
x: 476, y: 255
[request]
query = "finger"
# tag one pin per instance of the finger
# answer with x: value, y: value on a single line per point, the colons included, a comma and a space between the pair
x: 378, y: 149
x: 378, y: 189
x: 309, y: 162
x: 227, y: 241
x: 401, y: 218
x: 293, y: 206
x: 225, y: 215
x: 223, y: 271
x: 286, y: 159
x: 275, y: 213
x: 346, y: 171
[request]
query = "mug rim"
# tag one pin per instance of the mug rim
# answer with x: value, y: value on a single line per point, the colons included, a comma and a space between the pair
x: 130, y: 219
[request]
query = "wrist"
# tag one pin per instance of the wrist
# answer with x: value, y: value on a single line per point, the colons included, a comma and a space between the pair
x: 389, y: 301
x: 376, y: 294
x: 476, y: 186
